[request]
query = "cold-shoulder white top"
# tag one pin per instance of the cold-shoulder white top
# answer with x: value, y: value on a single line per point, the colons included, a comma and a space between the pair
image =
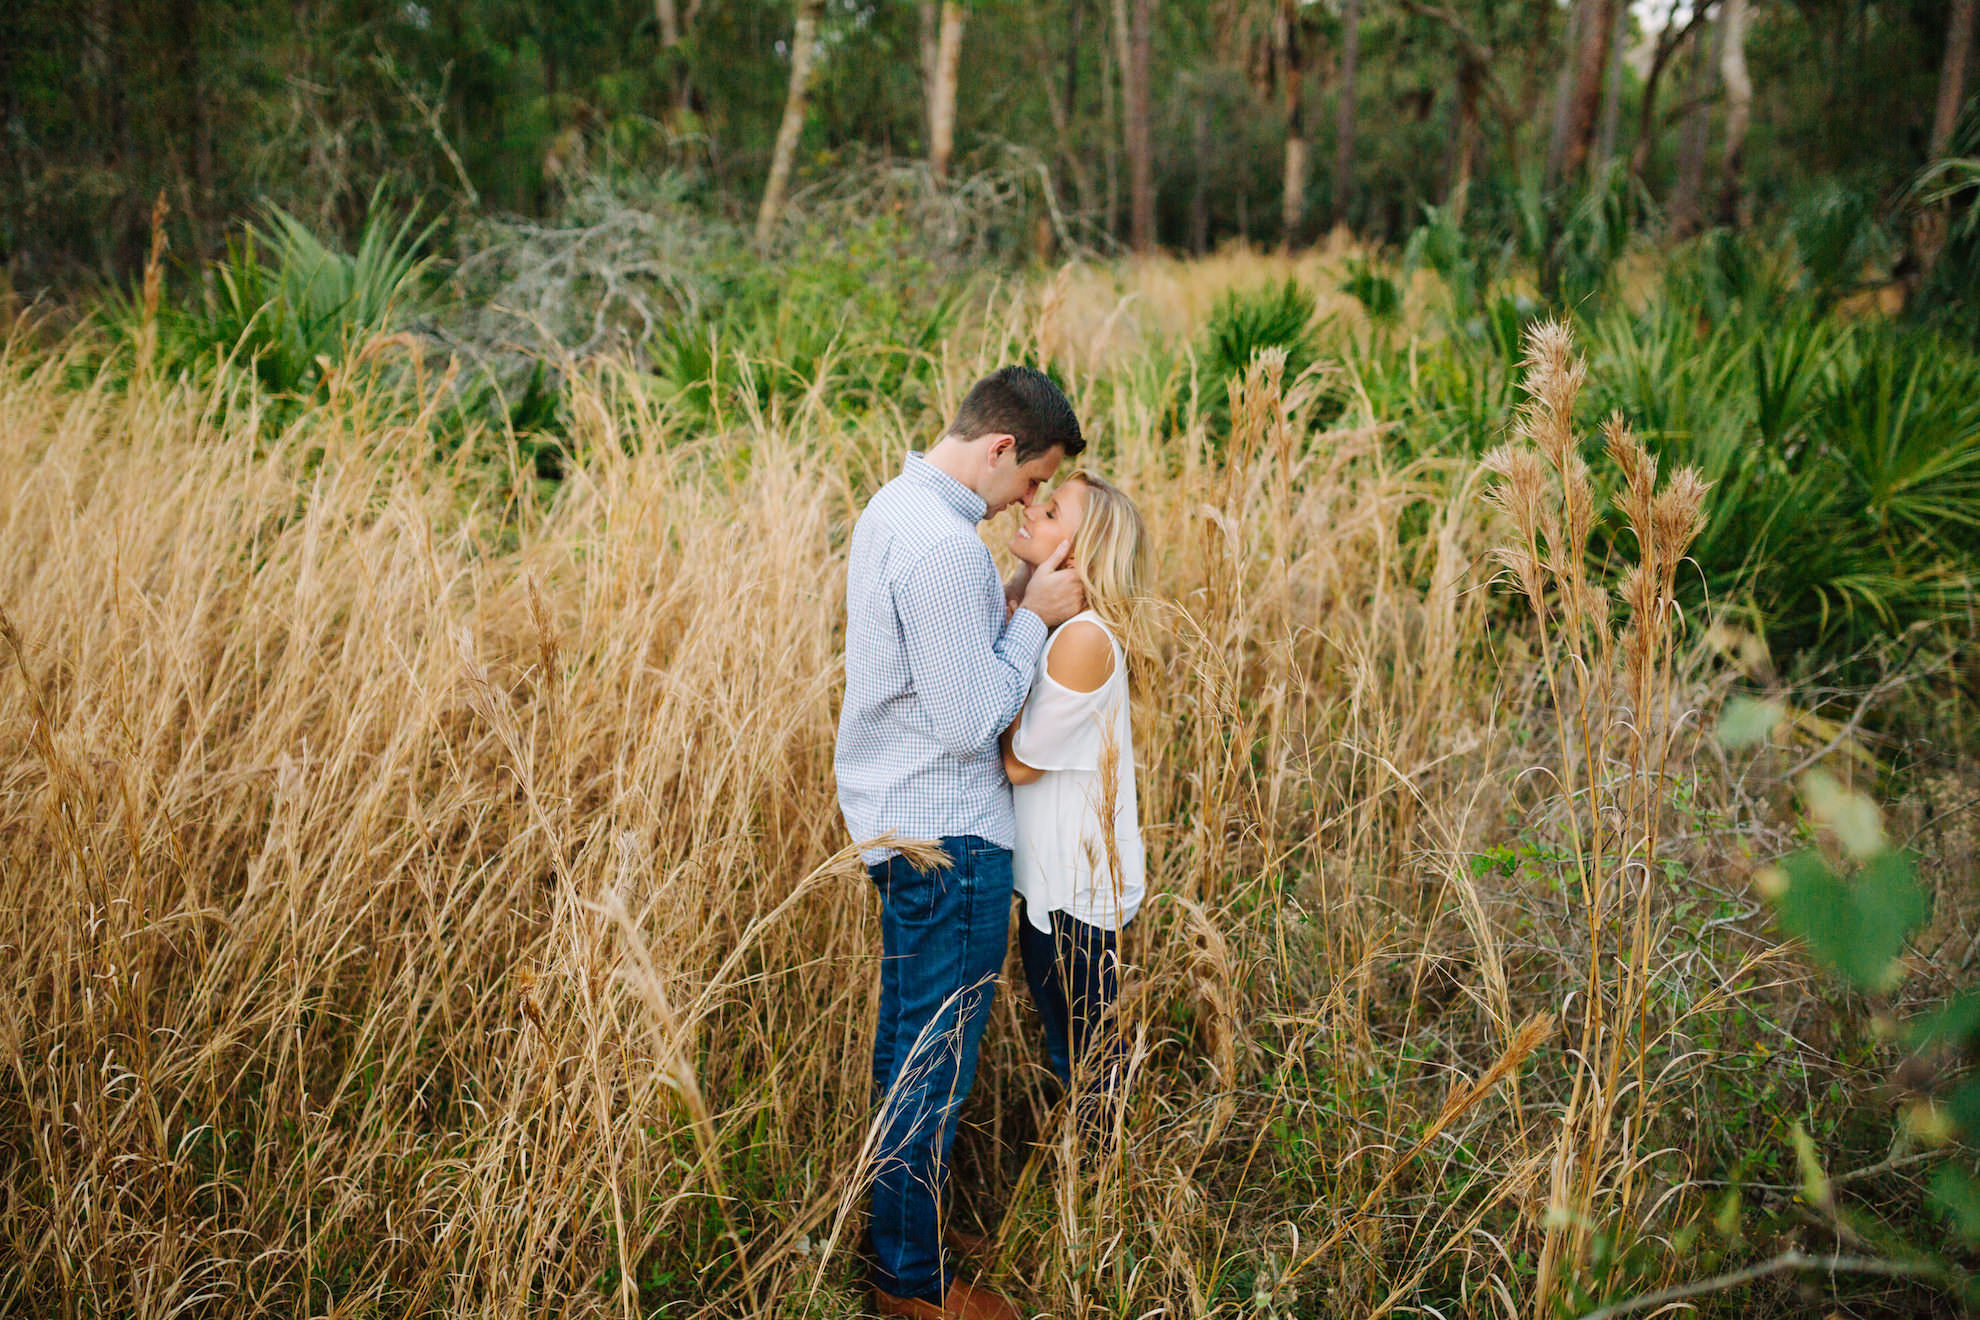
x: 1079, y: 845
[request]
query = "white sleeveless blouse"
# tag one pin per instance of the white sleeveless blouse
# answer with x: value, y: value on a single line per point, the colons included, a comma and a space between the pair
x: 1083, y: 744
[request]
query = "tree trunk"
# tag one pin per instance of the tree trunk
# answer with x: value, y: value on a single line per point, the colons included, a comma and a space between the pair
x: 1141, y: 165
x: 1605, y: 149
x: 1344, y: 119
x: 1739, y: 110
x: 674, y: 28
x: 804, y: 49
x: 196, y: 127
x: 1464, y: 147
x: 1591, y: 57
x: 1199, y: 198
x: 1952, y: 78
x: 1670, y: 42
x: 1691, y: 149
x: 930, y: 13
x: 1929, y: 223
x: 1111, y: 75
x: 1289, y: 55
x: 942, y: 89
x: 1557, y: 134
x: 1062, y: 127
x: 1078, y: 11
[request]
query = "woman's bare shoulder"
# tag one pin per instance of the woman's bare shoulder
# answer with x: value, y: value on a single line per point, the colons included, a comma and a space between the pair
x: 1082, y: 656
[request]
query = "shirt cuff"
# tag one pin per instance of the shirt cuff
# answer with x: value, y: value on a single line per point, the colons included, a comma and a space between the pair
x: 1024, y: 634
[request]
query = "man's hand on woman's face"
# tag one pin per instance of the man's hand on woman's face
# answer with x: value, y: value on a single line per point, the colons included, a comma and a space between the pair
x: 1054, y: 593
x: 1014, y: 585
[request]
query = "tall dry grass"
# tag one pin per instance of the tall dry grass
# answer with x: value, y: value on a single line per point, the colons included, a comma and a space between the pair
x: 424, y: 895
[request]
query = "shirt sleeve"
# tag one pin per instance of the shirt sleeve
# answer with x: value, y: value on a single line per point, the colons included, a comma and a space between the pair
x: 1062, y: 729
x: 970, y: 676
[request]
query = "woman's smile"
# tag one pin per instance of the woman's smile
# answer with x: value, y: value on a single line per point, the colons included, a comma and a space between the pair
x: 1045, y: 526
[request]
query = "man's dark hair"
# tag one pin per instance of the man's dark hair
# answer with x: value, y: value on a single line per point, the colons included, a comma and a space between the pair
x: 1022, y: 402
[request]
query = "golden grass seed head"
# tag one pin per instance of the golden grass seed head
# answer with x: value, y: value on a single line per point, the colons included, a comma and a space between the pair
x: 1524, y: 566
x: 1639, y: 472
x: 1521, y: 486
x: 1679, y: 513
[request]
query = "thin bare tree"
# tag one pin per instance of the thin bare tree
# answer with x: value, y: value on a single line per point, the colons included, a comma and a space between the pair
x: 1557, y: 133
x: 942, y: 58
x: 1464, y: 142
x: 804, y: 52
x: 1289, y: 59
x: 1591, y: 57
x: 1739, y: 109
x: 1952, y: 77
x: 1928, y: 222
x: 1062, y: 104
x: 1612, y: 90
x: 1684, y: 208
x: 1344, y: 117
x: 1672, y: 41
x: 1133, y: 27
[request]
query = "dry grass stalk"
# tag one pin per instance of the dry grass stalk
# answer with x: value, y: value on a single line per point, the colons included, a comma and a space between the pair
x: 1611, y: 695
x: 425, y: 895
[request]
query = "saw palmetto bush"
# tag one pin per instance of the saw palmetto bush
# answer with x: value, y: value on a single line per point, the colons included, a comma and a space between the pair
x: 1844, y: 461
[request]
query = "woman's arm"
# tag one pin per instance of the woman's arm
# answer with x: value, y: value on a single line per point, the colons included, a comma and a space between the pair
x: 1080, y: 659
x: 1019, y: 772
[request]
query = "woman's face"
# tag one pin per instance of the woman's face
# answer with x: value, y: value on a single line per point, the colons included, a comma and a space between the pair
x: 1046, y: 525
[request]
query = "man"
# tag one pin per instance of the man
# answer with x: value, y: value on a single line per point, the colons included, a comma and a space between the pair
x: 939, y: 658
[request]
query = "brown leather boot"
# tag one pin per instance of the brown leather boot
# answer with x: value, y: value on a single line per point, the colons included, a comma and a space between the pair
x: 963, y: 1302
x: 970, y: 1248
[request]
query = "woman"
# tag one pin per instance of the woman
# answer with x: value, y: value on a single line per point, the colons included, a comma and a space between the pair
x: 1078, y: 865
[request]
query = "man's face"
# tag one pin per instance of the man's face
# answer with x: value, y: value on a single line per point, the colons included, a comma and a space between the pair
x: 1008, y: 481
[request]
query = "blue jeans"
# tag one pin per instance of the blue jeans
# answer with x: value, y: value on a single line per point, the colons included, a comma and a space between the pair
x: 1074, y: 975
x: 943, y: 935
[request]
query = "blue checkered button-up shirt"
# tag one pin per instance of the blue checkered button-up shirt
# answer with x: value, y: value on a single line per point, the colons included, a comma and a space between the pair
x: 933, y: 672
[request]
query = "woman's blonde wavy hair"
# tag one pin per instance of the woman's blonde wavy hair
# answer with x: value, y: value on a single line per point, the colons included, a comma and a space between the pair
x: 1110, y: 552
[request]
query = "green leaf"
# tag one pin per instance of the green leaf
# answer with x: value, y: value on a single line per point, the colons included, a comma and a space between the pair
x: 1952, y: 1024
x: 1963, y: 1107
x: 1956, y: 1196
x: 1748, y: 721
x: 1814, y: 1182
x: 1857, y: 927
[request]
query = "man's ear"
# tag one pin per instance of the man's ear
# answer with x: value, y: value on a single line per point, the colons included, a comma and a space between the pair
x: 1000, y: 445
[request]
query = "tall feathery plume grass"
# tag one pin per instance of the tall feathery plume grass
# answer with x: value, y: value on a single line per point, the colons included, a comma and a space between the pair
x: 1610, y: 693
x: 424, y: 892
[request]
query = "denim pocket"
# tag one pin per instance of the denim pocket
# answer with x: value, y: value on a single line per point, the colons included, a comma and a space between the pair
x: 910, y: 893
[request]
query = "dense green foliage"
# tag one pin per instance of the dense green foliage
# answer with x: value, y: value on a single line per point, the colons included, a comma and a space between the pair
x: 512, y: 107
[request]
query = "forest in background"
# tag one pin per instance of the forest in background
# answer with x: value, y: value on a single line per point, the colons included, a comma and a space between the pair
x: 1126, y: 123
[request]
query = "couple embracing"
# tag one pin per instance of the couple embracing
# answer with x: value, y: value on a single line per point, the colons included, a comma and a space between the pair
x: 992, y: 718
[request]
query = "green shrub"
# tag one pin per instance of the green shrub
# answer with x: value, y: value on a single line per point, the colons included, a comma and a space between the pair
x: 1376, y: 292
x: 1242, y: 322
x: 285, y: 302
x: 1839, y: 239
x: 1844, y: 462
x: 290, y: 303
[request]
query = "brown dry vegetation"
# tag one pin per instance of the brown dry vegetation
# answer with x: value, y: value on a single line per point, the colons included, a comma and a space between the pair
x: 422, y: 896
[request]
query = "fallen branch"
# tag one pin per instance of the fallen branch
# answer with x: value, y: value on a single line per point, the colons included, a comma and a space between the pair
x: 1787, y: 1260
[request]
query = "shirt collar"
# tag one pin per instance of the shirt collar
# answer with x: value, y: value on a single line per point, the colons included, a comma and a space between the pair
x: 952, y: 492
